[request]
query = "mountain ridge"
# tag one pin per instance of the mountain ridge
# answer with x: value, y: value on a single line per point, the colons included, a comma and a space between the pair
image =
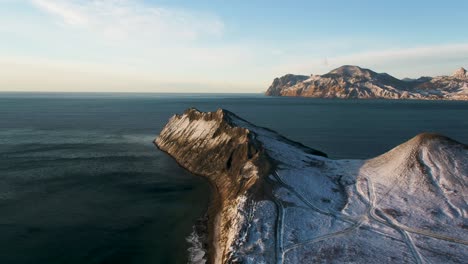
x: 354, y: 82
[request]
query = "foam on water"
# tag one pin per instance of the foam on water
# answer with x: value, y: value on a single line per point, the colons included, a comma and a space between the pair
x: 66, y: 136
x: 197, y: 253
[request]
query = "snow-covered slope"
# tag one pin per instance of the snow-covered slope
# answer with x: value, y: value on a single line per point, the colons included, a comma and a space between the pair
x: 281, y: 202
x: 355, y: 82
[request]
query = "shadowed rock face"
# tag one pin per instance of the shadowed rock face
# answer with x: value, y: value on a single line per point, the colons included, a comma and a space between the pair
x: 286, y: 81
x: 210, y: 145
x: 355, y: 82
x: 277, y: 201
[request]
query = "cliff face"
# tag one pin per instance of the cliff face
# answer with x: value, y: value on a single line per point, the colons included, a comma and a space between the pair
x: 355, y: 82
x: 286, y: 81
x: 210, y: 145
x: 277, y: 201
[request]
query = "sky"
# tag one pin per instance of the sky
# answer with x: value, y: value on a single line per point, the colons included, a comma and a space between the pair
x: 220, y: 46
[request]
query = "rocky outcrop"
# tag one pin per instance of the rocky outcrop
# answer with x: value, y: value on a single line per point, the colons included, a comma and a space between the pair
x: 355, y: 82
x: 277, y: 201
x: 208, y: 144
x: 230, y: 156
x: 460, y: 74
x: 286, y: 81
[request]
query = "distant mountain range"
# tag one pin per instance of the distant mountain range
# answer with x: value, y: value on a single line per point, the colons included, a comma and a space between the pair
x: 355, y: 82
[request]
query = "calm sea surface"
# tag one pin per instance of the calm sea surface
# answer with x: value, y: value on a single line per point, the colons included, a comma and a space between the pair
x: 81, y: 182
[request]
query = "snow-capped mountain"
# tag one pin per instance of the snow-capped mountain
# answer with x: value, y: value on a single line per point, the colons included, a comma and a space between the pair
x: 355, y: 82
x: 278, y: 201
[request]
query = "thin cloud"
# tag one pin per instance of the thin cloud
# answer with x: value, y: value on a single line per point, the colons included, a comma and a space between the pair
x: 408, y: 54
x: 414, y: 62
x: 132, y: 19
x: 62, y: 10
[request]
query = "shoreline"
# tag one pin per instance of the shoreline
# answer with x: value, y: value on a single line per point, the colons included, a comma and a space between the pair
x: 211, y: 212
x: 370, y: 98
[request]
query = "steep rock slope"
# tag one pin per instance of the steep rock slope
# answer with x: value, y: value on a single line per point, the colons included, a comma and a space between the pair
x: 286, y: 203
x: 355, y: 82
x: 460, y: 74
x: 208, y: 144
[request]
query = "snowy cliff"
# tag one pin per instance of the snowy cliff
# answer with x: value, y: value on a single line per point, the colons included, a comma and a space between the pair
x: 277, y: 201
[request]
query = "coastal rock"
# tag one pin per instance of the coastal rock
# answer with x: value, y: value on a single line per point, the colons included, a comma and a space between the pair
x: 278, y: 201
x: 286, y: 81
x: 208, y: 144
x: 354, y: 82
x: 460, y: 73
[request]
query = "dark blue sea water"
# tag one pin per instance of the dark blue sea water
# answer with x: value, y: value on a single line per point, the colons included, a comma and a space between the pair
x: 81, y: 182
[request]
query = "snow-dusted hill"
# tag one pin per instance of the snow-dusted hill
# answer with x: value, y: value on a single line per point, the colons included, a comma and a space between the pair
x: 277, y: 201
x: 355, y: 82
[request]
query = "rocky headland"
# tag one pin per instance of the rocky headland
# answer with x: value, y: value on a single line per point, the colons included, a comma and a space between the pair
x: 353, y: 82
x: 278, y: 201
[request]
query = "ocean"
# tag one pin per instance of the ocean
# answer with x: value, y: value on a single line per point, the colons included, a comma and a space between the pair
x: 82, y: 182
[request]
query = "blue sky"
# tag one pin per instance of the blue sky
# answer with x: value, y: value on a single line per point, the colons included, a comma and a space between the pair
x: 220, y: 46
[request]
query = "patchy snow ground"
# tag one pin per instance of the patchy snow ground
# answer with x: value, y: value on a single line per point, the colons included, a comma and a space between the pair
x: 408, y: 205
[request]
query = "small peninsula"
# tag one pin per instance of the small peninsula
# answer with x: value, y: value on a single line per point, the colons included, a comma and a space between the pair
x: 278, y: 201
x: 353, y: 82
